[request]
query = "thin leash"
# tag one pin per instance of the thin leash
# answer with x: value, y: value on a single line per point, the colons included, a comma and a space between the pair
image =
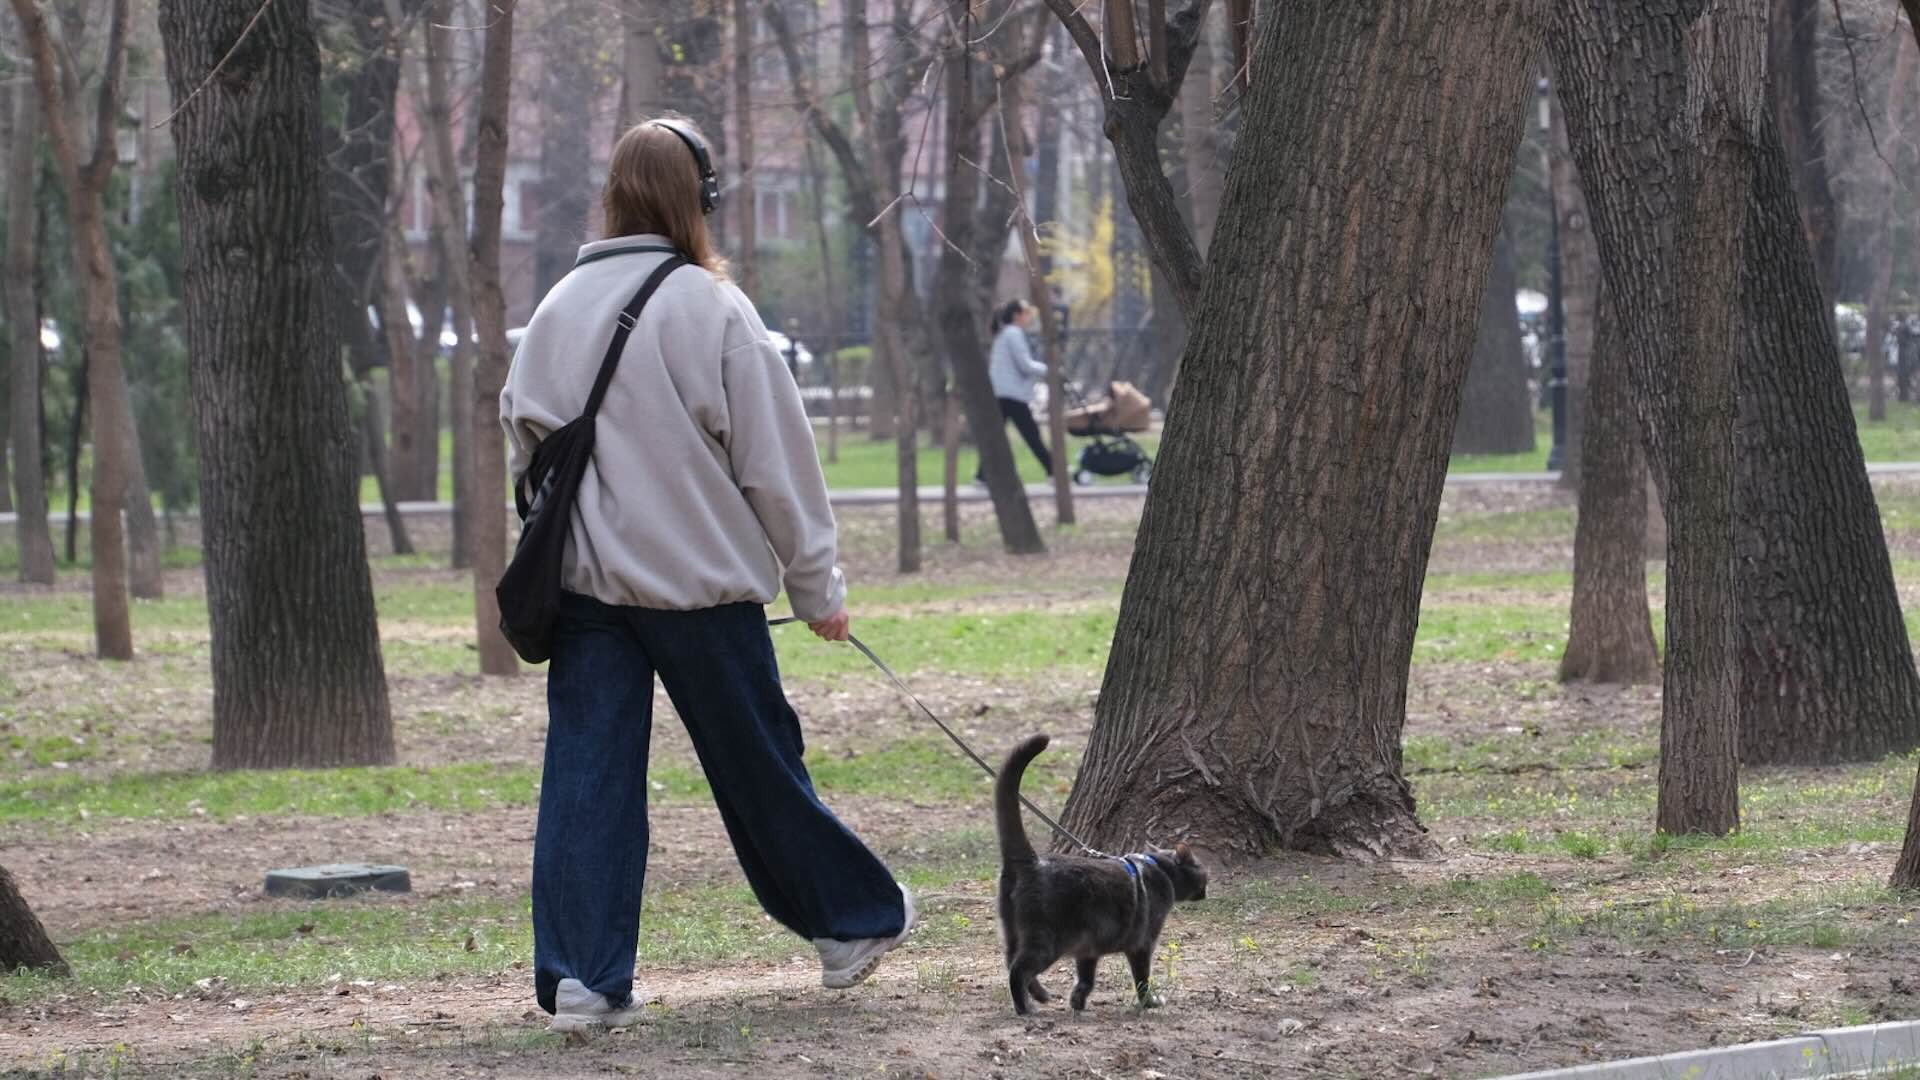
x: 901, y: 686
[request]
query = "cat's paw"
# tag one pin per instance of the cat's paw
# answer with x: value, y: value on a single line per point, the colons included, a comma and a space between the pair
x: 1151, y: 1000
x: 1079, y: 1001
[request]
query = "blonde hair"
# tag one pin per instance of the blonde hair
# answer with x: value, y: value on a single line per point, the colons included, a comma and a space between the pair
x: 653, y: 186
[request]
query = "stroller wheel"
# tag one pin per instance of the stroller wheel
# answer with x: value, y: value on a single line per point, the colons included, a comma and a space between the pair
x: 1082, y: 477
x: 1142, y: 472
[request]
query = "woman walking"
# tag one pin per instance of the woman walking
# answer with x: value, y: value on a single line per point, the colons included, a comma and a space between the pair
x: 1015, y: 373
x: 703, y: 499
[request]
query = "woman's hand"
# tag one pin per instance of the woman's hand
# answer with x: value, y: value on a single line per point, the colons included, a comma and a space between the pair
x: 833, y: 627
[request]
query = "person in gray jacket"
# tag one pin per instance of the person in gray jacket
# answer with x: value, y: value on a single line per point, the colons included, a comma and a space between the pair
x: 703, y: 499
x: 1015, y: 373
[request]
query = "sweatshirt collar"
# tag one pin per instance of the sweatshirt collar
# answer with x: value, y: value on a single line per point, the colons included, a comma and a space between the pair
x: 623, y: 245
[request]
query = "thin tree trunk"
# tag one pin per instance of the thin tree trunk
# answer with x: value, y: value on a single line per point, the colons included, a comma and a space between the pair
x: 1012, y: 103
x: 76, y: 432
x: 836, y: 314
x: 1610, y: 634
x: 641, y: 77
x: 744, y: 204
x: 566, y: 151
x: 23, y: 941
x: 1906, y: 872
x: 145, y: 580
x: 86, y: 180
x: 889, y: 348
x: 488, y: 521
x: 958, y: 309
x: 1793, y: 64
x: 1496, y: 409
x: 1663, y: 105
x: 1201, y: 142
x: 1579, y: 291
x: 373, y: 422
x: 1826, y: 671
x: 359, y: 179
x: 297, y: 673
x: 1883, y: 239
x: 448, y: 196
x: 407, y: 374
x: 950, y: 443
x: 1256, y: 690
x: 23, y: 324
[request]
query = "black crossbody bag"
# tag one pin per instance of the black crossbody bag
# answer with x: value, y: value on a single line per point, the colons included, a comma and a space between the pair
x: 529, y: 590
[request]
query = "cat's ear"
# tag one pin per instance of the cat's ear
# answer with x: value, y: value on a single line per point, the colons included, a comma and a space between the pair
x: 1185, y: 854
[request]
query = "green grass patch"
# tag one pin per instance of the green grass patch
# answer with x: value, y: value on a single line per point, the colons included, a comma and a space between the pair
x: 382, y: 939
x: 918, y: 770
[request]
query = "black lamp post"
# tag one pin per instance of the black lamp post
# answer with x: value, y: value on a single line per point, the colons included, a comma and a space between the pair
x: 1556, y: 314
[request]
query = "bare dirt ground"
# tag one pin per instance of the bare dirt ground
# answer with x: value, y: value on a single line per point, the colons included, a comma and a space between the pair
x: 1476, y: 962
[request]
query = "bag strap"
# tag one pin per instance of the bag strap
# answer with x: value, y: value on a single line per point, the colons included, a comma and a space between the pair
x: 624, y: 324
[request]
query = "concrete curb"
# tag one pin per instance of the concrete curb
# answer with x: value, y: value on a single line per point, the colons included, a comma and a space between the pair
x: 1837, y: 1052
x: 858, y: 497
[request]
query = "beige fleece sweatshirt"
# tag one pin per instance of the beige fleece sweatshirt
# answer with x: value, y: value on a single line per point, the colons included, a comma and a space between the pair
x: 704, y: 487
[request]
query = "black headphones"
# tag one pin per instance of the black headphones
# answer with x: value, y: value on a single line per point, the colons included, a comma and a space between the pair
x: 709, y: 180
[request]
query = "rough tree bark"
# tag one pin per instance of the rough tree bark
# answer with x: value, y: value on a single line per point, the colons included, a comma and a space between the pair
x: 1663, y: 99
x: 297, y: 674
x: 23, y: 327
x: 1202, y: 141
x: 412, y: 379
x: 1610, y: 634
x: 973, y: 238
x: 23, y: 941
x: 1826, y: 671
x: 1256, y: 690
x: 448, y: 196
x: 1496, y: 407
x: 1882, y: 239
x: 744, y: 204
x: 894, y: 294
x: 488, y: 523
x: 1579, y: 289
x: 1793, y: 66
x: 114, y: 441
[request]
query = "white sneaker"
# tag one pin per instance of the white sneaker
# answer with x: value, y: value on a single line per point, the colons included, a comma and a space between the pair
x: 845, y: 964
x: 576, y: 1008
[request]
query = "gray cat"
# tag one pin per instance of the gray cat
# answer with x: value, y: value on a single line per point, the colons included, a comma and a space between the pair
x: 1069, y: 905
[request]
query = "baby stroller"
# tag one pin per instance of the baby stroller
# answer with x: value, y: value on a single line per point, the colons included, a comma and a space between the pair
x: 1112, y: 452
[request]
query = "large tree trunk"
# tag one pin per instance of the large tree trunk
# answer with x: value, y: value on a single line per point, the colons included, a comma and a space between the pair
x: 448, y: 196
x: 1883, y: 239
x: 489, y: 519
x: 1793, y: 65
x: 1496, y: 409
x: 960, y: 309
x: 85, y: 180
x: 1610, y: 635
x: 1579, y: 290
x: 1663, y: 105
x: 297, y: 674
x: 1256, y: 690
x: 23, y: 941
x: 23, y: 327
x: 566, y: 158
x: 1826, y: 672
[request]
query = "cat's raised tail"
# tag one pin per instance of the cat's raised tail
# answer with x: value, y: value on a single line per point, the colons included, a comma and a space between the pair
x: 1014, y: 845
